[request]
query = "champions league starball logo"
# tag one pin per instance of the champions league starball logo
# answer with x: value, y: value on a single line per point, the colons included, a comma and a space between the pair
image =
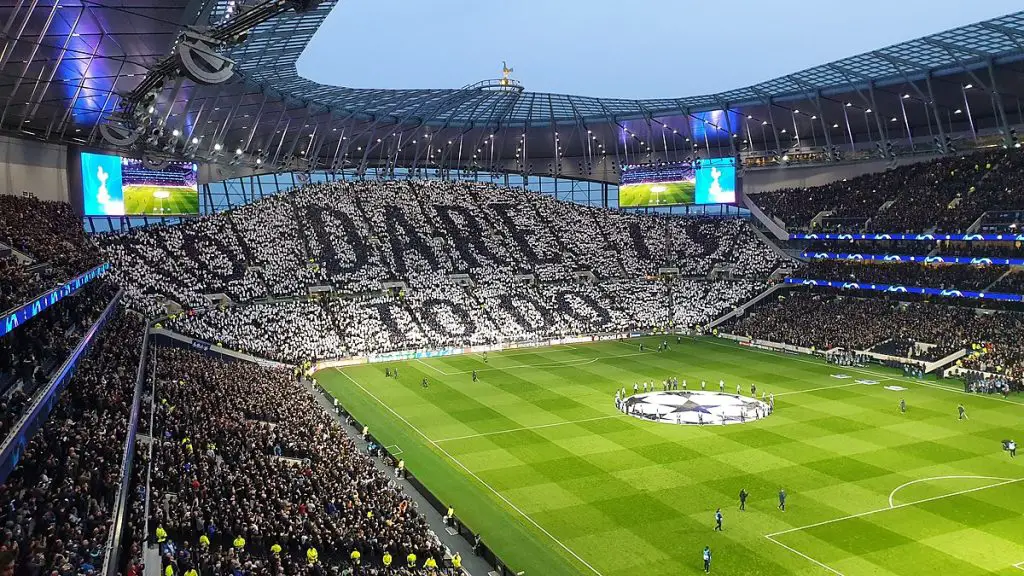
x: 685, y: 407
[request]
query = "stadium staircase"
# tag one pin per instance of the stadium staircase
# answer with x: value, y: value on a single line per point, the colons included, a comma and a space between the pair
x: 43, y: 399
x: 815, y: 223
x: 22, y: 258
x: 335, y: 321
x: 302, y: 229
x: 1009, y: 271
x: 774, y: 225
x: 775, y: 247
x: 742, y: 308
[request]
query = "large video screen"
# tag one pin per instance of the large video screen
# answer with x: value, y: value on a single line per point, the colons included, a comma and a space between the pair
x: 710, y: 181
x: 716, y: 181
x: 657, y: 185
x: 116, y: 186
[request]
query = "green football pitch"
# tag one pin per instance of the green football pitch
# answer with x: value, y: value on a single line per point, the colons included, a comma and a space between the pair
x: 535, y: 457
x: 160, y: 200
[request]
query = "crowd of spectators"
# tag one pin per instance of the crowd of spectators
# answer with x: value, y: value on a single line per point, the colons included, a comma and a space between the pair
x: 441, y: 313
x: 946, y: 194
x: 56, y: 504
x: 30, y: 353
x: 49, y: 233
x: 251, y: 476
x: 942, y: 276
x: 826, y: 321
x: 920, y: 248
x: 355, y: 237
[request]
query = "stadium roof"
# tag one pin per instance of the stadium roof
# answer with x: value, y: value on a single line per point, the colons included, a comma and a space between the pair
x: 270, y: 62
x: 66, y: 68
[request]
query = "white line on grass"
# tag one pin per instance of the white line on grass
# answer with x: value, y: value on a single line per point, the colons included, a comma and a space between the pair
x: 863, y: 371
x: 799, y: 553
x: 1019, y: 565
x: 512, y: 352
x: 473, y: 474
x: 905, y: 504
x: 434, y: 368
x: 554, y: 364
x: 919, y: 480
x: 394, y: 452
x: 819, y: 389
x: 528, y: 428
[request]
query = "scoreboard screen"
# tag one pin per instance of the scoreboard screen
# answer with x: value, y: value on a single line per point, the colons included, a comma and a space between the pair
x: 117, y: 186
x: 711, y: 181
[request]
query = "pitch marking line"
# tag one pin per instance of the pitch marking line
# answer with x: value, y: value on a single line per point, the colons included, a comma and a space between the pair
x: 1019, y: 565
x: 557, y: 364
x: 863, y: 371
x: 474, y: 475
x: 396, y: 450
x: 799, y: 553
x: 918, y: 481
x: 819, y: 389
x: 772, y: 536
x: 903, y: 505
x: 434, y: 368
x: 552, y: 425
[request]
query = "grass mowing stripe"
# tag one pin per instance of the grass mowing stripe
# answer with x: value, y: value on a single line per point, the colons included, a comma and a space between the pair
x: 896, y: 507
x: 933, y: 478
x: 819, y: 389
x: 801, y: 554
x: 553, y: 364
x: 636, y: 497
x: 473, y: 474
x: 862, y: 371
x: 527, y: 428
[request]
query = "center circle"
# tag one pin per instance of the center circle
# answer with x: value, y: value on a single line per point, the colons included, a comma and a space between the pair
x: 692, y: 407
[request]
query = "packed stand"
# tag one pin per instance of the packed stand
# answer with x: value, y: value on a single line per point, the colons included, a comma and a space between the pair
x: 30, y: 353
x: 696, y: 303
x: 355, y: 237
x: 919, y: 248
x: 1011, y: 283
x: 48, y: 232
x: 279, y: 331
x: 441, y: 313
x: 57, y: 502
x: 942, y: 276
x: 947, y: 194
x: 825, y: 321
x: 251, y: 476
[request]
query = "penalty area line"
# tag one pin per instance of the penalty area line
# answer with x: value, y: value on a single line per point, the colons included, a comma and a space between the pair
x: 919, y: 480
x: 473, y: 475
x: 435, y: 369
x: 896, y: 507
x: 772, y: 536
x: 805, y: 556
